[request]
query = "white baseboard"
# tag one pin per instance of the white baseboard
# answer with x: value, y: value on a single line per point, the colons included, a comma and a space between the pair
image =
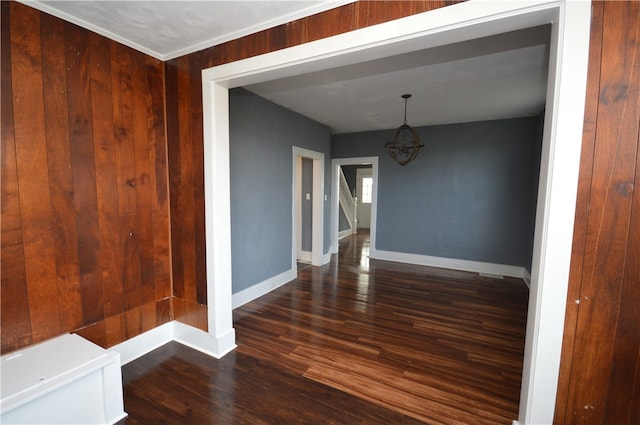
x: 241, y: 298
x: 345, y: 233
x: 527, y: 278
x: 304, y: 256
x: 195, y: 338
x: 451, y: 263
x: 144, y: 343
x: 202, y: 341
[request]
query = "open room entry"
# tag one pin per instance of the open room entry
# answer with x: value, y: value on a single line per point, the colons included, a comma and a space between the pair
x: 559, y: 169
x: 316, y: 199
x: 335, y: 201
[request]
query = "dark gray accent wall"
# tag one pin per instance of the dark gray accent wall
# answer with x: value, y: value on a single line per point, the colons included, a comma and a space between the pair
x: 261, y: 137
x: 307, y: 210
x: 469, y: 195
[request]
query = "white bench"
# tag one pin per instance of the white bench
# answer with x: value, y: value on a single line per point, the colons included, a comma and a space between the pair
x: 65, y: 380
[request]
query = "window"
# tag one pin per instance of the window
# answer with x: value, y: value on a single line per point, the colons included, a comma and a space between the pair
x: 367, y: 185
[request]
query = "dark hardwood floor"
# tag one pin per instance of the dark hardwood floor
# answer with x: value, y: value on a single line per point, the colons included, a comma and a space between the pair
x: 357, y: 341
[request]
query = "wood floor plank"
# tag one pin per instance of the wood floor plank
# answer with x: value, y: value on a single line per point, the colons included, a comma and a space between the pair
x: 357, y: 341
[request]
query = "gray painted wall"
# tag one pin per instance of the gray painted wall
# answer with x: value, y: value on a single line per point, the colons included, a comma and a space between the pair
x: 469, y: 195
x: 261, y: 138
x: 307, y: 210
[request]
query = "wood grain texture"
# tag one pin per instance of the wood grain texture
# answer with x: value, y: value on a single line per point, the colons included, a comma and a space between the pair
x: 15, y: 322
x: 600, y: 366
x: 357, y: 341
x: 80, y: 116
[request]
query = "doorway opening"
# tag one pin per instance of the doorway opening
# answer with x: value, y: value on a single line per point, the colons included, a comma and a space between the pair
x: 308, y: 207
x: 559, y: 170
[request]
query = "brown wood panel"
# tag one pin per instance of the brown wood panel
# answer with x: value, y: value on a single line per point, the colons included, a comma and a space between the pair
x: 624, y: 388
x: 61, y: 186
x: 32, y: 170
x: 187, y: 143
x: 15, y: 323
x: 111, y: 261
x: 196, y: 64
x: 144, y: 225
x: 190, y: 313
x: 84, y: 173
x: 176, y: 189
x: 121, y: 64
x: 159, y: 180
x: 608, y: 225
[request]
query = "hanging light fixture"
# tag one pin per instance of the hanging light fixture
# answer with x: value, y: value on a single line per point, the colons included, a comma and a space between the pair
x: 403, y: 144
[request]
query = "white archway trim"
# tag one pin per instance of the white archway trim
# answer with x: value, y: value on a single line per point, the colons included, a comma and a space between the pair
x: 559, y: 170
x: 335, y: 199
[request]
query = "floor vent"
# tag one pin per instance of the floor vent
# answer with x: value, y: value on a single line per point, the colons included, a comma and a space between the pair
x: 491, y: 275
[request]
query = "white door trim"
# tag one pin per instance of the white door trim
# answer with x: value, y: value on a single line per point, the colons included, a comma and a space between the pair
x: 317, y: 206
x: 558, y: 174
x: 336, y: 163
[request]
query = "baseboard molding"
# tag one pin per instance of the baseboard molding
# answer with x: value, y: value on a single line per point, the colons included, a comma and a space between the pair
x: 344, y: 233
x: 304, y: 256
x: 241, y: 298
x: 202, y: 341
x: 326, y: 258
x: 144, y: 343
x: 527, y: 278
x: 451, y: 263
x: 195, y: 338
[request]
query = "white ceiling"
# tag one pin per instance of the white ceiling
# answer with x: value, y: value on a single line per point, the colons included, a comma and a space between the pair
x: 167, y: 29
x: 491, y: 78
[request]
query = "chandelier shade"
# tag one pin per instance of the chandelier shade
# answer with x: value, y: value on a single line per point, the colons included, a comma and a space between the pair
x: 403, y: 143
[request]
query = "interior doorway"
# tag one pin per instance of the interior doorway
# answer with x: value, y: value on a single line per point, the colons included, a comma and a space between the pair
x: 364, y: 191
x: 559, y: 171
x: 307, y: 200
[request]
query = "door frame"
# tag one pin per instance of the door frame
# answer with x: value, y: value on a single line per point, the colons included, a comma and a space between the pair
x: 336, y: 163
x: 360, y: 175
x: 317, y: 206
x: 562, y: 141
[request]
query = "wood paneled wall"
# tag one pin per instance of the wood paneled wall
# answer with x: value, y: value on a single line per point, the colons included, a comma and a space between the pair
x: 600, y: 369
x: 85, y: 215
x: 185, y: 139
x: 84, y: 197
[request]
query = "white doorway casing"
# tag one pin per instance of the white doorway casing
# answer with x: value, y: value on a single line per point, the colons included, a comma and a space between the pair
x: 335, y: 201
x: 363, y: 217
x: 558, y: 174
x: 317, y: 206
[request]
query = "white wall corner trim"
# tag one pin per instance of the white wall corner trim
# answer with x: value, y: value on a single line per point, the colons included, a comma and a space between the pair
x: 452, y: 263
x: 558, y: 172
x: 263, y: 288
x: 195, y: 338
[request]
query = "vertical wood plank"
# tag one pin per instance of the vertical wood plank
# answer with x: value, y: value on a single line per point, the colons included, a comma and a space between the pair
x: 111, y: 262
x: 159, y: 180
x: 15, y: 323
x: 142, y: 182
x: 32, y: 171
x: 197, y: 154
x: 624, y: 386
x: 609, y: 214
x: 125, y: 173
x: 60, y: 172
x: 175, y: 177
x: 84, y: 172
x: 186, y: 143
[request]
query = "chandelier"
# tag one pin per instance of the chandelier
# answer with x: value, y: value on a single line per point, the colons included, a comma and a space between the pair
x: 403, y: 144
